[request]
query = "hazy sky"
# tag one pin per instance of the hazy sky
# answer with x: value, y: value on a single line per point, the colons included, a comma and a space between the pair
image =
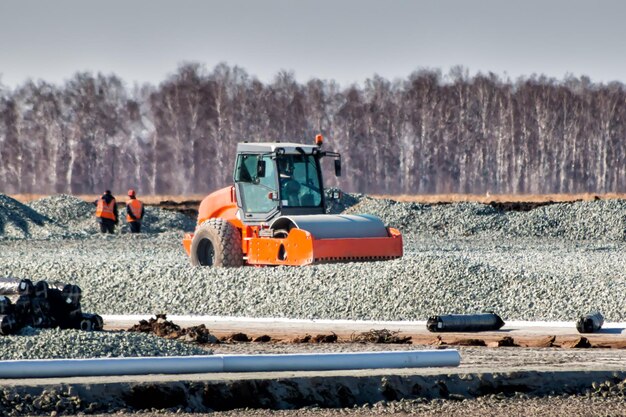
x: 349, y: 41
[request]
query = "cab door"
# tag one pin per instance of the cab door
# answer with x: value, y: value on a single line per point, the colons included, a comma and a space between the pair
x: 257, y: 195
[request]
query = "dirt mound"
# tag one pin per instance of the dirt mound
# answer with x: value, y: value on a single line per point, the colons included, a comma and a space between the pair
x: 162, y: 327
x: 381, y: 336
x: 320, y: 338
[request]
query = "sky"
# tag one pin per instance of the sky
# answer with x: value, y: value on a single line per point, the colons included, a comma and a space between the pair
x: 344, y: 40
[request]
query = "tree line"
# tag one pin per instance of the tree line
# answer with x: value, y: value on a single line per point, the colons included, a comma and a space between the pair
x: 428, y: 133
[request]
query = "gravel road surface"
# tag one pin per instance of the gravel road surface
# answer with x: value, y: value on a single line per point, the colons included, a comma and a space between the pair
x: 520, y: 279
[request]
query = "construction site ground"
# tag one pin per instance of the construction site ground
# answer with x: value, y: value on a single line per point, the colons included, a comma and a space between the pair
x: 485, y: 381
x: 282, y: 331
x: 553, y: 276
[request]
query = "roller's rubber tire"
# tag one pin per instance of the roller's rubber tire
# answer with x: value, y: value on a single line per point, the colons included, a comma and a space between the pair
x: 216, y: 242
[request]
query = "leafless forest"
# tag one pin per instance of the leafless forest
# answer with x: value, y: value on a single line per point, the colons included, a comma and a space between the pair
x: 429, y: 133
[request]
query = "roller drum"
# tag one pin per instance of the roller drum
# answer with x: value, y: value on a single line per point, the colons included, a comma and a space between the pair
x: 326, y: 226
x: 464, y: 323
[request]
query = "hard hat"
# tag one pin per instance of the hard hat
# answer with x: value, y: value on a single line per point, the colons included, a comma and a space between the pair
x: 131, y: 193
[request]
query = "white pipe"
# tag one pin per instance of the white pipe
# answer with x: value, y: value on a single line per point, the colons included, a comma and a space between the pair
x: 48, y: 368
x: 341, y: 361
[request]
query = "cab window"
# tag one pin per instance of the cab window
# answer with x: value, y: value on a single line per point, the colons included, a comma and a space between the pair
x: 299, y: 181
x: 254, y: 190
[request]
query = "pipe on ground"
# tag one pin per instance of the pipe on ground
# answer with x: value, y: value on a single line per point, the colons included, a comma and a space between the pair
x: 49, y: 368
x: 464, y: 323
x: 590, y: 323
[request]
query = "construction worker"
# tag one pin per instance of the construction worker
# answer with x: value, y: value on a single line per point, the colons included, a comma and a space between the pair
x: 134, y: 212
x: 106, y: 212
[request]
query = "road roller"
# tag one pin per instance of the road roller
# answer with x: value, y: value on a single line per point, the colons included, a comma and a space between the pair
x: 275, y: 214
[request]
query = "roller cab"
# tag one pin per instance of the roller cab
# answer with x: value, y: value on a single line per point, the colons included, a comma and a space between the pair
x: 274, y: 214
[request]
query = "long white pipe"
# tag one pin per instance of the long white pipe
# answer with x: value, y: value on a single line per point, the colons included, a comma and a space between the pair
x: 341, y: 361
x: 47, y: 368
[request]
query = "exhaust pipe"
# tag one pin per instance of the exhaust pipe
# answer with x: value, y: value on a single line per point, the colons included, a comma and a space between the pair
x: 227, y: 363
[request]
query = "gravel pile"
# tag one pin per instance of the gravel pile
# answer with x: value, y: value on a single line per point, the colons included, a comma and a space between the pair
x: 71, y: 212
x: 66, y: 217
x: 593, y: 220
x: 337, y: 201
x: 75, y: 344
x: 18, y: 221
x: 157, y: 220
x: 64, y: 401
x: 64, y: 209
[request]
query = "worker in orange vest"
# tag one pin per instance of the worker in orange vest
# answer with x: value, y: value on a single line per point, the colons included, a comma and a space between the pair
x: 106, y: 212
x: 134, y: 212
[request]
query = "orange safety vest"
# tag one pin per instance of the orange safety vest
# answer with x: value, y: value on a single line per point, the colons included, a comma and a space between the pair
x: 135, y: 207
x: 104, y: 210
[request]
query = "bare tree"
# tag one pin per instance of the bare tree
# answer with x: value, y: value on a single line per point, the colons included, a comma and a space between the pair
x: 428, y: 133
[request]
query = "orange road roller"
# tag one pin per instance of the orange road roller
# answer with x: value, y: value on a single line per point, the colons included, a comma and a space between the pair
x: 275, y: 214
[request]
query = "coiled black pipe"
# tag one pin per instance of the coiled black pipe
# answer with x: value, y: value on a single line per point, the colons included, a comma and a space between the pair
x: 464, y: 323
x: 43, y: 306
x: 589, y: 323
x: 8, y: 324
x: 6, y: 307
